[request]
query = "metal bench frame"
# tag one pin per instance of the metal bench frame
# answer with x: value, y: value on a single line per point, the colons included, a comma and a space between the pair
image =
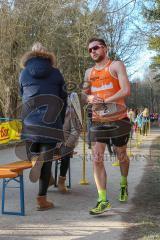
x: 19, y: 180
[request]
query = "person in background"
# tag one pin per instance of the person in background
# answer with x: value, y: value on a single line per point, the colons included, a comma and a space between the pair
x: 145, y: 121
x: 159, y: 120
x: 156, y: 118
x: 131, y: 116
x: 44, y: 104
x: 72, y: 128
x: 138, y: 122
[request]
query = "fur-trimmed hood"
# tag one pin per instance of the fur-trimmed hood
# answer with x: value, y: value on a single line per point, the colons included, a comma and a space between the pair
x: 34, y: 54
x: 39, y: 64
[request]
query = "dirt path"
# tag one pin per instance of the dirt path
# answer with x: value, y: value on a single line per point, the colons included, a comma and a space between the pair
x: 70, y: 220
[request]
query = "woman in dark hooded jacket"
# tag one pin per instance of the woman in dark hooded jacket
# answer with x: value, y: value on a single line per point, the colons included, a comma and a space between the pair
x: 44, y: 100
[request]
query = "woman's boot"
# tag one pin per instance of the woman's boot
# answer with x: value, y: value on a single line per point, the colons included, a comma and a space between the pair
x: 61, y: 184
x: 43, y: 204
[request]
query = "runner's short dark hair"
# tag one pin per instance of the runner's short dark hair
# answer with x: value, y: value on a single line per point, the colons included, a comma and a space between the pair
x: 100, y: 40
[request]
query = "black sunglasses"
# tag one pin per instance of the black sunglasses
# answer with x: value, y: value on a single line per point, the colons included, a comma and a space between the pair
x: 94, y: 48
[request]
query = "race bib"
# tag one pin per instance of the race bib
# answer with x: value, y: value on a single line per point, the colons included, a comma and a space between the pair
x: 108, y: 111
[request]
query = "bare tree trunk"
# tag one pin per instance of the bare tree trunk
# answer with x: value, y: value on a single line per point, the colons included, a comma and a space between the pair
x: 10, y: 109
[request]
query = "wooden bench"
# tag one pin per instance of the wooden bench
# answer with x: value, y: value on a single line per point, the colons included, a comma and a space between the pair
x: 14, y: 172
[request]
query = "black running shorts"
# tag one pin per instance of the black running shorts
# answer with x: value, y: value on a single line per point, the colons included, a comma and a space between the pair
x: 118, y: 132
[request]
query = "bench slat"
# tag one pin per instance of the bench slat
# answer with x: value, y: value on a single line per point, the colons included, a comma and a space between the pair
x: 16, y: 166
x: 4, y: 173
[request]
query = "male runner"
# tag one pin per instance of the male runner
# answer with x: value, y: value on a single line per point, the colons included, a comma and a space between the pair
x: 107, y: 82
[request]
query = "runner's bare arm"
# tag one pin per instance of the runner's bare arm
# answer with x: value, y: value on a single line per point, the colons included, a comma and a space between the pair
x: 86, y: 85
x: 86, y: 91
x: 118, y: 70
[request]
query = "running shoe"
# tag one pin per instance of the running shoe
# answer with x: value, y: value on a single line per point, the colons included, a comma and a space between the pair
x: 100, y: 208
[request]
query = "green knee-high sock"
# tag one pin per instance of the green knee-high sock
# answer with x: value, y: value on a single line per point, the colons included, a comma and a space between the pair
x: 123, y: 180
x: 102, y: 195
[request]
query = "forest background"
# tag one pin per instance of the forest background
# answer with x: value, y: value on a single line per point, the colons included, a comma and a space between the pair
x: 129, y: 27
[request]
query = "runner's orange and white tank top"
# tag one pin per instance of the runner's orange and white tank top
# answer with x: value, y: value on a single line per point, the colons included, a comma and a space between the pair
x: 103, y: 84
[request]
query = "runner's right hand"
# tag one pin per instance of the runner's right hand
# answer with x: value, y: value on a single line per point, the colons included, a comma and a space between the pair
x: 94, y: 99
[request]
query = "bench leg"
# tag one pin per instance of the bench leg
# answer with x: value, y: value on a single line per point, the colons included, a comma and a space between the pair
x: 22, y: 195
x: 3, y: 194
x: 18, y: 180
